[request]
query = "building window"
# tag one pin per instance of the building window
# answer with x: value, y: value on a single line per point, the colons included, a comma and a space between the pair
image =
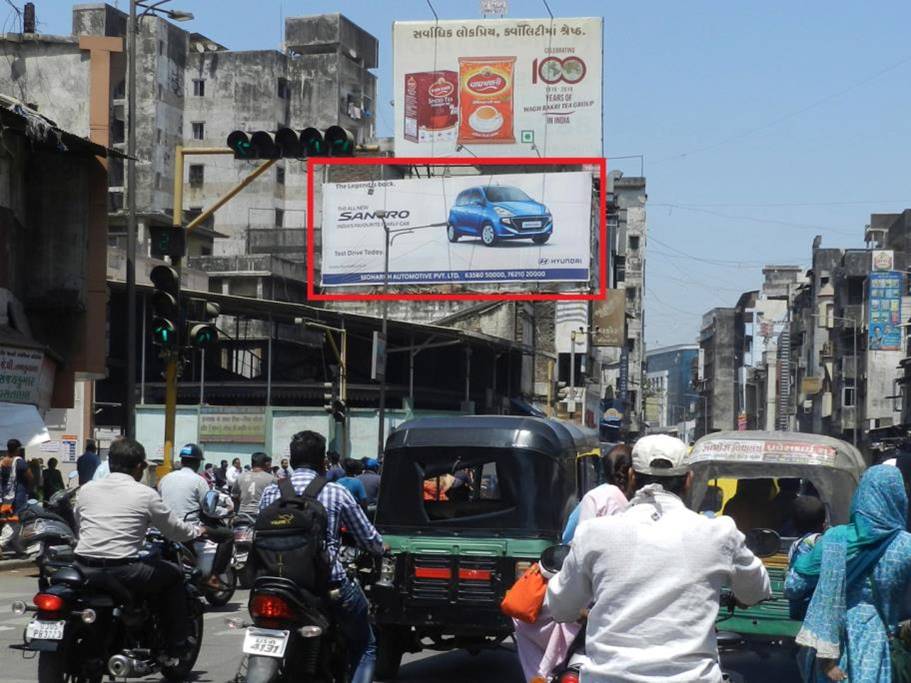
x: 631, y: 294
x: 199, y: 130
x: 280, y: 175
x: 284, y: 92
x: 847, y: 397
x: 158, y: 135
x: 199, y: 87
x: 197, y: 175
x: 279, y: 218
x: 160, y: 92
x: 634, y: 242
x: 161, y: 47
x: 158, y: 181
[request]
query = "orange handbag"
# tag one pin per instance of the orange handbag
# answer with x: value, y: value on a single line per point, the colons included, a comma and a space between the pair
x: 524, y: 600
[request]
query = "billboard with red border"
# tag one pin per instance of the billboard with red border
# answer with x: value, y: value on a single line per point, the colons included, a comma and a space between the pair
x: 596, y: 165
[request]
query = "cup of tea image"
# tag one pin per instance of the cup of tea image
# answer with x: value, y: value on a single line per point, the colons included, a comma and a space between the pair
x: 486, y: 119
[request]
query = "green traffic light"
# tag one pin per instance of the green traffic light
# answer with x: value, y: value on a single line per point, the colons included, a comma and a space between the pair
x: 163, y: 332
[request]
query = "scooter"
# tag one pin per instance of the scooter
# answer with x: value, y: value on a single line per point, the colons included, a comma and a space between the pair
x: 49, y: 533
x: 243, y: 541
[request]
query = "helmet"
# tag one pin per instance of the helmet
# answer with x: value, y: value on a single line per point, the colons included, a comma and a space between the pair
x: 191, y: 452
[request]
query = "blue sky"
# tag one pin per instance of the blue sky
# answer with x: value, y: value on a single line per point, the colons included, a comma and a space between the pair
x: 762, y: 124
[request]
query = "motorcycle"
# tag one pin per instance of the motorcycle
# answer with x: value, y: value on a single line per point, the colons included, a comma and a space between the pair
x: 293, y: 635
x: 243, y: 541
x: 762, y: 542
x: 214, y: 514
x: 49, y: 533
x: 87, y: 625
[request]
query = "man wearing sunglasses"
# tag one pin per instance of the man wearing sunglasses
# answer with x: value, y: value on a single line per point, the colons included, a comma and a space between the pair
x: 114, y: 515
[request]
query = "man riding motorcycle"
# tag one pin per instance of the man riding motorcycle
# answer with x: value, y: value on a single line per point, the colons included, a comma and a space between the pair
x: 250, y: 485
x: 114, y: 515
x: 652, y: 575
x: 308, y: 461
x: 183, y: 491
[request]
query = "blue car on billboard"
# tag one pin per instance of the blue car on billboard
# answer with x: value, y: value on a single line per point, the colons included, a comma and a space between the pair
x: 496, y: 213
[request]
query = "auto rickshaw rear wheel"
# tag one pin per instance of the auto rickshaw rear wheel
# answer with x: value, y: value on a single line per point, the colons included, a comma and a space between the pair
x: 391, y: 642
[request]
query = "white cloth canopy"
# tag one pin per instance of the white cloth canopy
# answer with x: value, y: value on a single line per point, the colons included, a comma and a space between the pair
x: 23, y: 422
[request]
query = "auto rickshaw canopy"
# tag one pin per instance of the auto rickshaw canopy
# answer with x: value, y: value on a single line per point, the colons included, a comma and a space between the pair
x: 831, y: 465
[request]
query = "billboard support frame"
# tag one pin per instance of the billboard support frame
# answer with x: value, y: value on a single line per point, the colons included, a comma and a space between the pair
x: 599, y: 162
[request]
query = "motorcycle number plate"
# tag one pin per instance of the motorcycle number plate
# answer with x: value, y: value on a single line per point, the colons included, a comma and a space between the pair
x: 265, y: 642
x: 44, y: 630
x: 532, y: 224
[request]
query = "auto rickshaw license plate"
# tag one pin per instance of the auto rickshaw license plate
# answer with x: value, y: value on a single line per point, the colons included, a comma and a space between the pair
x: 265, y: 642
x: 44, y: 630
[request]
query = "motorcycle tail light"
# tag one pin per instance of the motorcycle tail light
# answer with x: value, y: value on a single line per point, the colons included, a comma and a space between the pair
x: 46, y: 602
x: 270, y: 607
x: 569, y: 677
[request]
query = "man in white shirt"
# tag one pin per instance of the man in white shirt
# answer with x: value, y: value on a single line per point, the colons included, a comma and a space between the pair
x: 183, y: 490
x: 234, y: 471
x: 113, y: 516
x: 652, y: 576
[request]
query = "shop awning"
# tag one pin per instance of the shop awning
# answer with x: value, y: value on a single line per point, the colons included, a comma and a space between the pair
x: 23, y: 422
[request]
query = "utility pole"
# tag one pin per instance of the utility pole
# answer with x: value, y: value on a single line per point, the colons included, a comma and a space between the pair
x: 129, y: 405
x: 381, y: 429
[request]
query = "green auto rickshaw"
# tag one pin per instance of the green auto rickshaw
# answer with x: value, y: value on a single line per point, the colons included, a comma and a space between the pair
x: 467, y: 504
x: 718, y: 460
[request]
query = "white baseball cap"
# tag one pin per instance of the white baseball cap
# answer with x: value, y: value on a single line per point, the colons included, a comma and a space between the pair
x: 660, y: 455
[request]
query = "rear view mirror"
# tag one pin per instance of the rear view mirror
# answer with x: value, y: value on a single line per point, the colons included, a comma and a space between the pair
x: 552, y: 558
x: 763, y: 542
x: 210, y: 504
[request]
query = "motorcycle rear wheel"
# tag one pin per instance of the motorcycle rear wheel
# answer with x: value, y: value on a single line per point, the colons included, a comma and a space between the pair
x: 221, y: 598
x: 182, y: 671
x: 52, y: 669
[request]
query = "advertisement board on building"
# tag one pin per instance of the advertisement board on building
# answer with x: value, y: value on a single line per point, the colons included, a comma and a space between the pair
x: 569, y: 317
x: 232, y: 424
x: 26, y: 376
x: 884, y: 311
x: 609, y: 320
x: 498, y: 87
x: 883, y: 259
x: 532, y: 227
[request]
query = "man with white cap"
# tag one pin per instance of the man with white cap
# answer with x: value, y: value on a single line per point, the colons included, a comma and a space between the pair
x: 651, y: 577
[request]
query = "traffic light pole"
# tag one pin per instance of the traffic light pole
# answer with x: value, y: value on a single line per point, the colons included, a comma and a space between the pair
x: 342, y: 356
x: 173, y: 354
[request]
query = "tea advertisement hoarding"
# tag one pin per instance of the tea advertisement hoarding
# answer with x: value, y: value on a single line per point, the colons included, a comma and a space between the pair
x: 532, y: 227
x: 498, y: 87
x: 885, y: 311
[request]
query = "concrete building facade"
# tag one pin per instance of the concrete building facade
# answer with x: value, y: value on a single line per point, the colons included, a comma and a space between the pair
x: 671, y: 400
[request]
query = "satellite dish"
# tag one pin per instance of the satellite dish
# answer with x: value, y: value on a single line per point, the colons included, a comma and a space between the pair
x: 199, y: 47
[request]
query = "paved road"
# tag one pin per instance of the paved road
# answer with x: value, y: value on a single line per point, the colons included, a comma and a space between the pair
x: 220, y: 657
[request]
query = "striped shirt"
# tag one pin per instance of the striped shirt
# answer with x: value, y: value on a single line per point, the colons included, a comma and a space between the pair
x: 341, y: 509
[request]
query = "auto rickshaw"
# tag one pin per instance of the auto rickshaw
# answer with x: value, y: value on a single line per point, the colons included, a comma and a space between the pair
x: 833, y: 467
x: 466, y: 505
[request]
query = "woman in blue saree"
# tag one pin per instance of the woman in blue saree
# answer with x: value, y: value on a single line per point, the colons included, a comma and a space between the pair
x: 857, y: 574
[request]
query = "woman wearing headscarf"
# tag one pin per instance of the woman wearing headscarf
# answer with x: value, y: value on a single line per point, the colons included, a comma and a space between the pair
x: 857, y: 574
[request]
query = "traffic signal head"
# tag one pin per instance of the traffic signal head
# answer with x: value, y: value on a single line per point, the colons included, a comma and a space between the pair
x: 168, y: 240
x: 201, y: 329
x: 310, y: 142
x: 239, y: 141
x: 201, y: 335
x: 339, y: 410
x: 289, y: 145
x: 329, y: 396
x: 264, y: 145
x: 165, y: 305
x: 339, y: 142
